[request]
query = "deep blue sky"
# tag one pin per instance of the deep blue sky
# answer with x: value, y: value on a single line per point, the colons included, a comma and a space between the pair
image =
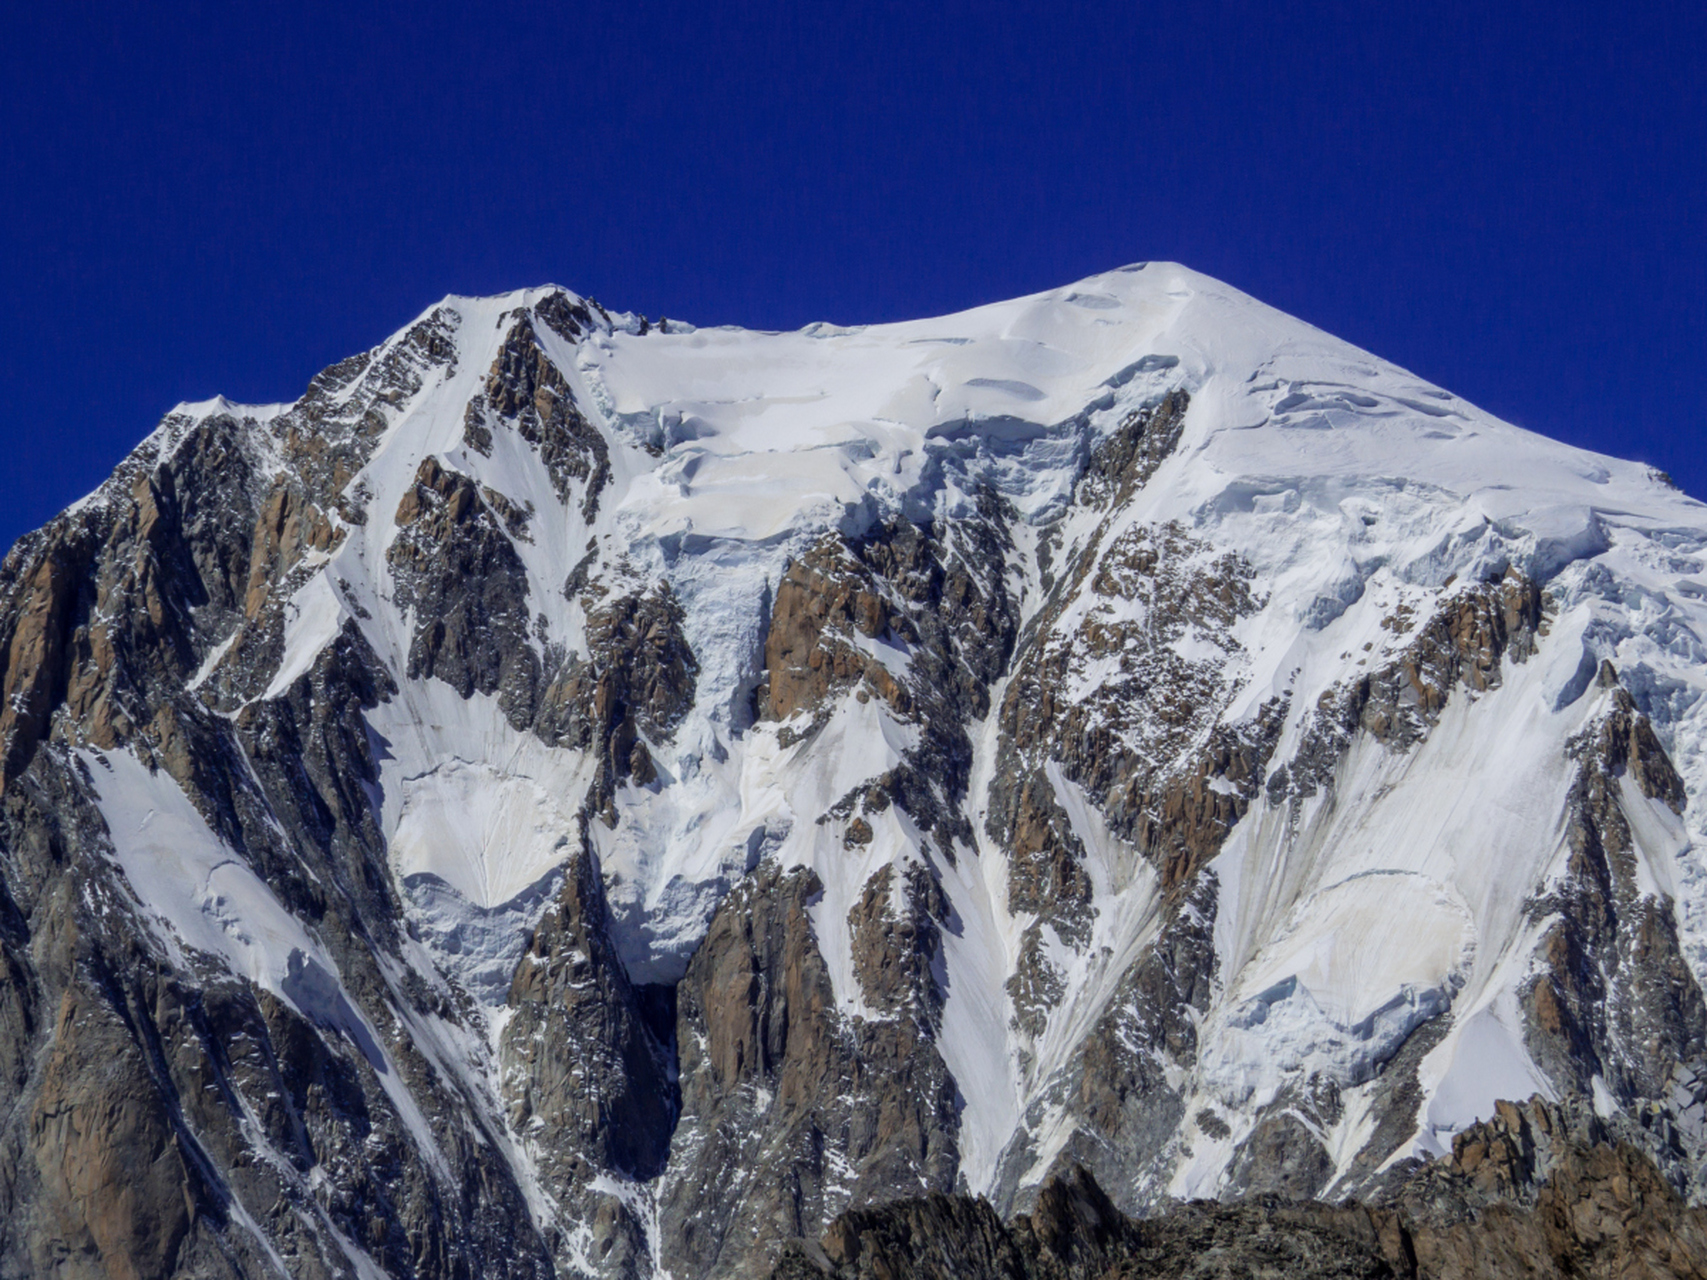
x: 1508, y: 199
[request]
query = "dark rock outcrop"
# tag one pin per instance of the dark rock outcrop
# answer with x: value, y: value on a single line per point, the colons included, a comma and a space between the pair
x: 1502, y: 1206
x: 455, y: 566
x: 525, y: 388
x: 791, y: 1108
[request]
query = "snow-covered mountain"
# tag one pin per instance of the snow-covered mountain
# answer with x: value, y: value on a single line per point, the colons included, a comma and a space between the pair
x: 573, y: 796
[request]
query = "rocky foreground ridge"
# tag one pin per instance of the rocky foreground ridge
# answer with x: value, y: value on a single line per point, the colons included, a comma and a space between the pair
x: 574, y: 796
x: 1534, y: 1191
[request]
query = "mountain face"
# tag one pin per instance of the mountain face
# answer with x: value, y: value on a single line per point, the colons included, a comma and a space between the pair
x: 569, y: 796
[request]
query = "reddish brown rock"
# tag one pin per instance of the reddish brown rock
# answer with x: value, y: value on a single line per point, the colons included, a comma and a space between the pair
x: 822, y: 601
x: 116, y: 1186
x: 34, y: 675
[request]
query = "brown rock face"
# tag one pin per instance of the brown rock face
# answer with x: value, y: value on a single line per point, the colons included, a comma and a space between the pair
x: 791, y: 1110
x: 286, y: 528
x: 1163, y: 708
x: 1075, y: 1233
x: 1540, y: 1189
x: 1146, y: 743
x: 1116, y: 1088
x: 116, y: 1186
x: 19, y: 1013
x: 896, y: 932
x: 947, y: 606
x: 33, y: 677
x: 1155, y: 703
x: 1047, y: 875
x: 824, y: 600
x: 1281, y: 1157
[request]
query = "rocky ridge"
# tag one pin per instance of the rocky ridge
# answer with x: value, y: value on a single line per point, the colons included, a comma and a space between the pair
x: 1534, y: 1191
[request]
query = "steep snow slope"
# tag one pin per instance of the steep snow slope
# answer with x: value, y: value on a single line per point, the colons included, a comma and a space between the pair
x: 1371, y: 883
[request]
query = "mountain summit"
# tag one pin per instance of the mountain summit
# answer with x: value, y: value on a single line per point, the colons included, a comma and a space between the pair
x: 570, y: 795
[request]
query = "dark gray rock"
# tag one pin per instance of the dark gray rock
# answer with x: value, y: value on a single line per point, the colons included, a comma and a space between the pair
x: 1503, y: 1206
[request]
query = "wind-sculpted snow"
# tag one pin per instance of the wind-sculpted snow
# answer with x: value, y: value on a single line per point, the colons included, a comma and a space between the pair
x: 687, y: 783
